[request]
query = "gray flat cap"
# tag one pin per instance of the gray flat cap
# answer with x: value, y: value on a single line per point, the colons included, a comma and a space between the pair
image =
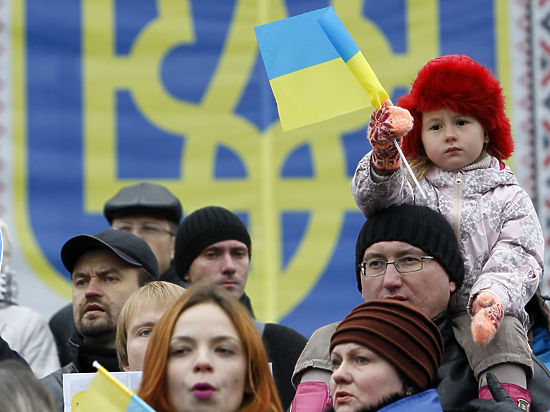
x: 148, y: 198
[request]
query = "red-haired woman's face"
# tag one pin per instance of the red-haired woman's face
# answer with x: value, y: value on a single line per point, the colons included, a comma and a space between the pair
x: 207, y: 365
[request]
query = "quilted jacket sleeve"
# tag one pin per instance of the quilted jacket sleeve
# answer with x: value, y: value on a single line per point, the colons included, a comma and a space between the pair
x: 372, y: 193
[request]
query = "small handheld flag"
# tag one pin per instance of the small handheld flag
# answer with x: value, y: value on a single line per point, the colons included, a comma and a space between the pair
x: 106, y: 393
x: 317, y: 72
x: 315, y: 68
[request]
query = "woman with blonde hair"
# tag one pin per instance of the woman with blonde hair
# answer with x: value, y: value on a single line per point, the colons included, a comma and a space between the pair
x: 205, y: 354
x: 138, y: 317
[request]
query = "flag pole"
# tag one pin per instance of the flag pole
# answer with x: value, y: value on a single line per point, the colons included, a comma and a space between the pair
x: 106, y: 373
x: 409, y: 168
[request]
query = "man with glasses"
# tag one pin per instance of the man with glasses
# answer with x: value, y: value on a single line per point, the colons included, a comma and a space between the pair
x: 153, y: 213
x: 409, y: 253
x: 147, y: 210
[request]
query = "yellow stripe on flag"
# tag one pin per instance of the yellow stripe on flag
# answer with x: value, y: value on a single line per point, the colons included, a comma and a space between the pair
x: 317, y: 93
x: 362, y: 71
x: 106, y: 393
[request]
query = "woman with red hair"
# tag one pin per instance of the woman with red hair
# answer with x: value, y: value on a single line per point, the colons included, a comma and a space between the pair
x: 455, y: 134
x: 205, y: 354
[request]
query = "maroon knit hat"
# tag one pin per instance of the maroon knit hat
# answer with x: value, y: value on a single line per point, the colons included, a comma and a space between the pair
x: 399, y: 333
x: 458, y: 83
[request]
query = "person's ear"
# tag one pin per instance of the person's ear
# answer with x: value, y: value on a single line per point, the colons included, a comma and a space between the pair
x: 452, y: 286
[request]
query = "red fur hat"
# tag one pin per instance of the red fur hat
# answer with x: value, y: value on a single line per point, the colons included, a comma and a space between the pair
x: 458, y: 83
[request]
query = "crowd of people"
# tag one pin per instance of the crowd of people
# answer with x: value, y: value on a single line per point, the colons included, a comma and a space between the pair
x: 448, y: 264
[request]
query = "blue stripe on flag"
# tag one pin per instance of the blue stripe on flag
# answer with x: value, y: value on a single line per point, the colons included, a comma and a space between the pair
x: 138, y: 405
x: 338, y: 35
x: 294, y: 43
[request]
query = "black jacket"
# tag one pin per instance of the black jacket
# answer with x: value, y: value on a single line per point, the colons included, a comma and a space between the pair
x: 457, y: 386
x: 171, y: 276
x: 8, y: 353
x: 83, y: 354
x: 283, y: 346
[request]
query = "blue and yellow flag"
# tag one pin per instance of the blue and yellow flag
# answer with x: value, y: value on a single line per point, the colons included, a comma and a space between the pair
x: 106, y: 393
x: 316, y: 69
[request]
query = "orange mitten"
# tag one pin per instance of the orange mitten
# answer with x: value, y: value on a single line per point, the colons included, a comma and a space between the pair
x: 488, y: 313
x: 388, y: 123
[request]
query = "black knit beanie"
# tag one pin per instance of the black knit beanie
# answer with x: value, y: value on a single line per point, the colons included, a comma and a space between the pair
x: 201, y: 229
x: 419, y: 226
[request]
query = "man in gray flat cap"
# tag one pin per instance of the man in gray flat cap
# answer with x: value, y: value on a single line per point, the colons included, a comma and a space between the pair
x: 153, y: 213
x: 105, y: 270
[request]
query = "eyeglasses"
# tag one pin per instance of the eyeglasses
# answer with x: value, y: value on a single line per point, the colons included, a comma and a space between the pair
x: 145, y: 230
x: 377, y: 267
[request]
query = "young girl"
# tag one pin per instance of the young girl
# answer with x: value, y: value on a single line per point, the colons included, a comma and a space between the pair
x: 458, y: 138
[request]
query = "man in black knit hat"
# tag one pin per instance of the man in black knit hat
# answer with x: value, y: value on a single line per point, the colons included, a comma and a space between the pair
x: 410, y: 253
x: 213, y: 246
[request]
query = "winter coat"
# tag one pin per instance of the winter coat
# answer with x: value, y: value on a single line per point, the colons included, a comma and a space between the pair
x: 28, y: 333
x: 455, y: 380
x: 500, y: 236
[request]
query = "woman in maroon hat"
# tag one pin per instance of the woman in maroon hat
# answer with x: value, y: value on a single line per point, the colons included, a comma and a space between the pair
x: 455, y: 134
x: 385, y: 352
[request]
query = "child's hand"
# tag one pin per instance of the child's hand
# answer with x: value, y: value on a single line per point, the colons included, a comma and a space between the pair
x: 388, y: 123
x: 488, y: 313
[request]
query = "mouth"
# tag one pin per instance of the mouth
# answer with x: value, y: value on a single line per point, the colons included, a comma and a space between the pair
x: 203, y: 390
x: 342, y: 396
x: 397, y: 297
x: 228, y: 284
x: 452, y: 150
x: 93, y: 308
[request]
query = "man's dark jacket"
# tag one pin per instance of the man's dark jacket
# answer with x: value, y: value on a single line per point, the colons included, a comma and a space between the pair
x: 283, y: 347
x: 83, y: 356
x: 457, y: 386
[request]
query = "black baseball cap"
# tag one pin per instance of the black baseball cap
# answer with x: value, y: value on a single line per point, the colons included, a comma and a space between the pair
x: 130, y: 248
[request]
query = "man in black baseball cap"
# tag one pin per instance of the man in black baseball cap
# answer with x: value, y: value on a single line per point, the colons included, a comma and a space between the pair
x: 105, y: 270
x: 147, y: 210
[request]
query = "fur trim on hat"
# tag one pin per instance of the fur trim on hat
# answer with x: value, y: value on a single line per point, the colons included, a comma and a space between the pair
x: 458, y: 83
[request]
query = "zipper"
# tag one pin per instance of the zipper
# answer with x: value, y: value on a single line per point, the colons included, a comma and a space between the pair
x: 457, y: 205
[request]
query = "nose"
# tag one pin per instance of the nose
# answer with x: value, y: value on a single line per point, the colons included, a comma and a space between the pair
x: 450, y: 134
x: 228, y: 265
x: 93, y: 288
x: 202, y: 362
x: 392, y: 278
x: 340, y: 375
x: 136, y: 231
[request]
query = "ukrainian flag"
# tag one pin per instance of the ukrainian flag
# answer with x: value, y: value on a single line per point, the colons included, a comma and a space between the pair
x: 316, y: 69
x: 106, y: 393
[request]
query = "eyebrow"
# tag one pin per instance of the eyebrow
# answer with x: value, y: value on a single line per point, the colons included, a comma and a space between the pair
x: 403, y: 252
x: 142, y: 324
x: 215, y: 339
